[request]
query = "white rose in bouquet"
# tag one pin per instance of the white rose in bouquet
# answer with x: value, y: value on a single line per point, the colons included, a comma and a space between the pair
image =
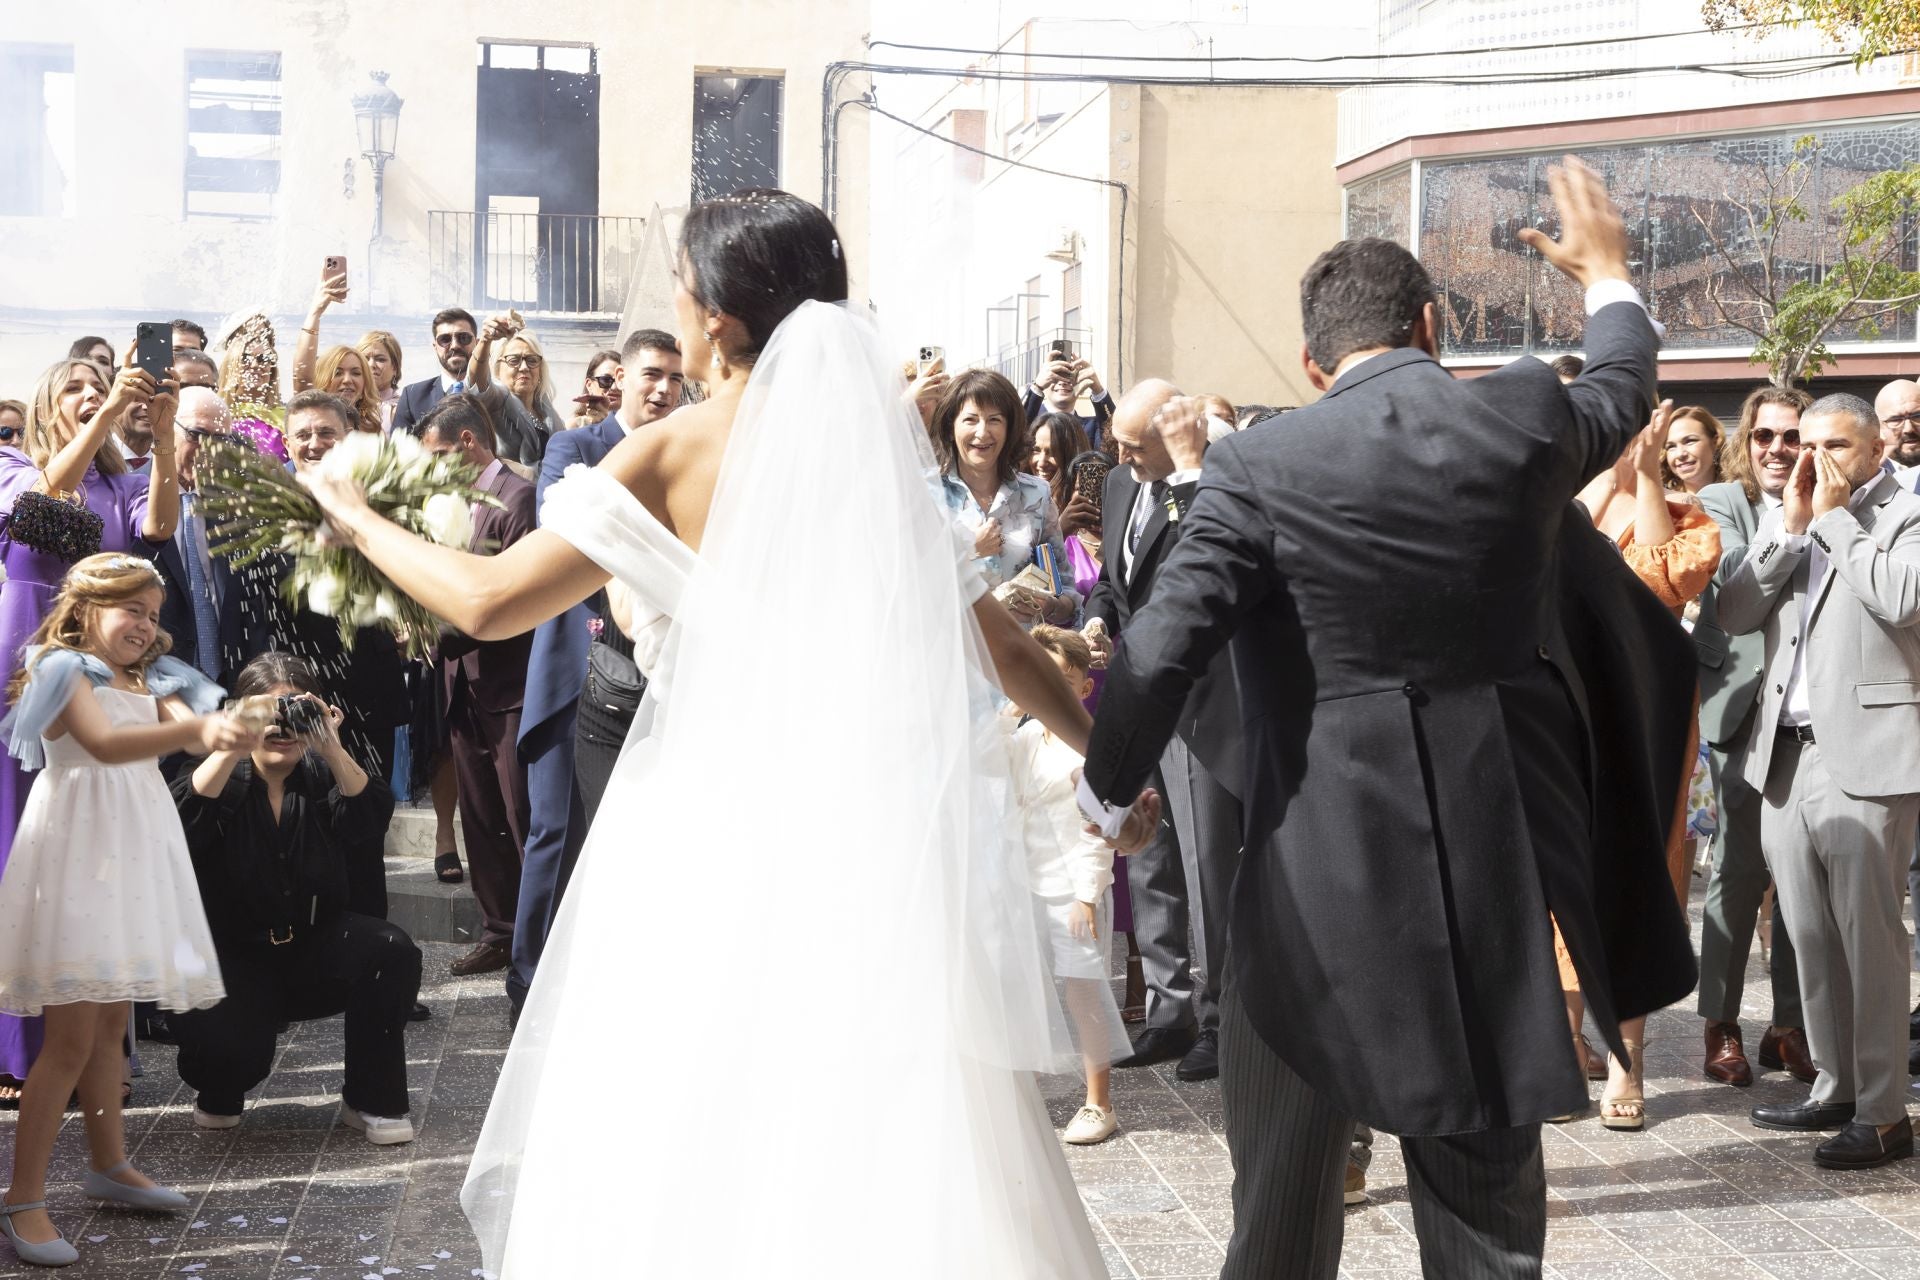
x: 405, y: 447
x: 448, y: 519
x: 326, y: 593
x: 357, y: 454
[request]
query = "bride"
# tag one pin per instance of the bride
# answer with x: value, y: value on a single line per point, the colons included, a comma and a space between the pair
x: 814, y: 789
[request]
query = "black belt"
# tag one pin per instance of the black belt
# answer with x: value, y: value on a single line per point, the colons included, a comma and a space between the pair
x: 1801, y: 733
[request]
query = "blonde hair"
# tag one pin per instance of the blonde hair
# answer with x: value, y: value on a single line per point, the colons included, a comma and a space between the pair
x: 46, y: 434
x: 95, y: 583
x: 542, y: 390
x: 233, y: 361
x: 386, y: 342
x: 17, y: 406
x: 368, y: 404
x: 1070, y: 645
x: 1717, y: 436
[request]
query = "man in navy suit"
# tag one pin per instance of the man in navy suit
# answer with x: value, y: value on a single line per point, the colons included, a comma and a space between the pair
x: 202, y: 608
x: 453, y: 338
x: 649, y: 386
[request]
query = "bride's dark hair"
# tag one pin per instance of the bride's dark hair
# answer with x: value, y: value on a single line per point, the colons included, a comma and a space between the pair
x: 758, y: 254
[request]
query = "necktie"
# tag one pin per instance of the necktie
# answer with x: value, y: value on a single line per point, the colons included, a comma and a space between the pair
x: 458, y: 388
x: 206, y: 620
x: 1156, y: 496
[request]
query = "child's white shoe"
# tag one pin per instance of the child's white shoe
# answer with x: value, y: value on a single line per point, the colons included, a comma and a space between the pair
x: 1092, y: 1124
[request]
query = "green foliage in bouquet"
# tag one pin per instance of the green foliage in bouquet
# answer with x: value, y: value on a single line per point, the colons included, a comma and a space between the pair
x: 257, y: 510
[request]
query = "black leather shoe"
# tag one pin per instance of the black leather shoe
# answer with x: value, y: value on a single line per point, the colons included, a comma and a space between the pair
x: 1803, y: 1117
x: 1863, y: 1146
x: 420, y: 1013
x: 1159, y: 1044
x: 1203, y: 1060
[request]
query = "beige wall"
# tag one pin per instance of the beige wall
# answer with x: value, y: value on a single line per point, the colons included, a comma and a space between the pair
x: 129, y: 251
x: 1236, y: 196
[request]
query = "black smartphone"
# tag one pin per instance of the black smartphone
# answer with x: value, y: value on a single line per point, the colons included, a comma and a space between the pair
x: 1061, y: 350
x: 153, y: 348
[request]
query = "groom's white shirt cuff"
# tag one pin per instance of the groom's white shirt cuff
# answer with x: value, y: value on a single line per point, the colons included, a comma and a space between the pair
x: 1605, y: 292
x: 1109, y: 818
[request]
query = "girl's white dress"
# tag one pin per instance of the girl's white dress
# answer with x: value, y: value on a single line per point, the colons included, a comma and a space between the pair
x: 98, y: 901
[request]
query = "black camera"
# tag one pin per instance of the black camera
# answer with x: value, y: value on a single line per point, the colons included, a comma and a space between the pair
x: 298, y: 717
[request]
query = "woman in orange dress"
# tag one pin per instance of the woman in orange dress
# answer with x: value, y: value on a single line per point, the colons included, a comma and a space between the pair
x: 1673, y: 546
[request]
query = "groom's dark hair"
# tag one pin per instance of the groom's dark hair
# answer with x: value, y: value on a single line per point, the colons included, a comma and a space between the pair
x: 1361, y: 294
x: 758, y: 254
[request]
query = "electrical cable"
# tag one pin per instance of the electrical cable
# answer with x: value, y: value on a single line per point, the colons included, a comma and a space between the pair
x: 1120, y: 274
x: 1339, y: 57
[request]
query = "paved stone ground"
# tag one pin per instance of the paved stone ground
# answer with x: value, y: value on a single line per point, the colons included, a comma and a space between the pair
x: 1699, y: 1195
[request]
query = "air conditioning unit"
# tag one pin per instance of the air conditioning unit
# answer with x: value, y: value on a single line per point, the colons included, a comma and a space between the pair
x: 1066, y: 246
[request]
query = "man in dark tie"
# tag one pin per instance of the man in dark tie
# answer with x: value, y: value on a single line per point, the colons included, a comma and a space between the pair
x: 1434, y: 760
x: 202, y: 608
x: 485, y: 686
x: 1179, y: 883
x: 651, y: 385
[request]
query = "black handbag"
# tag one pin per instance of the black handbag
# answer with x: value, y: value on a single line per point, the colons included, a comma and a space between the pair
x: 56, y: 524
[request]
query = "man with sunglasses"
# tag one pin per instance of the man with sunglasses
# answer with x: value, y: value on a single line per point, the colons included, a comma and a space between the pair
x: 454, y: 333
x: 1765, y: 445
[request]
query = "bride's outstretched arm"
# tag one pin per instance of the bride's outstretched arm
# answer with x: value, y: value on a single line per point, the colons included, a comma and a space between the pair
x: 487, y: 597
x: 1028, y: 676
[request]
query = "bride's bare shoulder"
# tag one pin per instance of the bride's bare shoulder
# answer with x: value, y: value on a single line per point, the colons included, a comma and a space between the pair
x: 671, y: 465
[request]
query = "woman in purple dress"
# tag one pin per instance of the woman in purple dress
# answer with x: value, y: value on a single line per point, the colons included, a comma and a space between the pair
x: 70, y: 450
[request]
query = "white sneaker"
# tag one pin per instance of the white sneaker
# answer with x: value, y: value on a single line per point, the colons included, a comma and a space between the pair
x: 208, y: 1120
x: 382, y: 1131
x: 1091, y: 1125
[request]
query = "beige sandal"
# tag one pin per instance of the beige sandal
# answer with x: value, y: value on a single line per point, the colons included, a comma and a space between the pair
x: 1627, y: 1110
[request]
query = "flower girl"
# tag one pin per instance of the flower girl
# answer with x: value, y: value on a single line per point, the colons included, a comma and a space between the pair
x: 1071, y: 874
x: 98, y: 902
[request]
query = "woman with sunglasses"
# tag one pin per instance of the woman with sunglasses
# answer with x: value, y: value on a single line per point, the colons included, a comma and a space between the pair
x: 599, y: 392
x: 520, y: 369
x: 250, y: 381
x: 13, y: 424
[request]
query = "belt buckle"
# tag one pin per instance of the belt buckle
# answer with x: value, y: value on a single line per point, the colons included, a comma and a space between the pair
x: 279, y: 942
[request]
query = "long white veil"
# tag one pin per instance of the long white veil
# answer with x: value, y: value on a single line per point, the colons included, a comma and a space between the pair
x: 779, y: 1019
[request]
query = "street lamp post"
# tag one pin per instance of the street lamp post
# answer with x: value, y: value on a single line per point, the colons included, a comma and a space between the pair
x: 376, y: 117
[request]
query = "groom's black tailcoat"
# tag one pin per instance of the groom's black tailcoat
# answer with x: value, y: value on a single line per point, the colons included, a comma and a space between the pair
x: 1461, y: 710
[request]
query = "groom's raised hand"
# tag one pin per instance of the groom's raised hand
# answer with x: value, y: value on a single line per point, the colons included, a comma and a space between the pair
x: 1593, y: 241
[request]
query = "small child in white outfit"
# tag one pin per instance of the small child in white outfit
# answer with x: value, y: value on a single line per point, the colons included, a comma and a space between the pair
x: 1072, y: 873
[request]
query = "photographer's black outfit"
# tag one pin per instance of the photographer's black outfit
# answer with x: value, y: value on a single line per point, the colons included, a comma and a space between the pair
x: 276, y: 894
x: 608, y: 702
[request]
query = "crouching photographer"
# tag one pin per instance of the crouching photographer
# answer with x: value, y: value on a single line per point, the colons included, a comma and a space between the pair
x: 271, y: 832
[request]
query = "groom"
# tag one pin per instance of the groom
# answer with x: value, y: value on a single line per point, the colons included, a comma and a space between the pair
x: 1436, y: 757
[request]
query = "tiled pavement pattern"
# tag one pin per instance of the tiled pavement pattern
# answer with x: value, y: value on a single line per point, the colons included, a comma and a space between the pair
x: 1700, y: 1194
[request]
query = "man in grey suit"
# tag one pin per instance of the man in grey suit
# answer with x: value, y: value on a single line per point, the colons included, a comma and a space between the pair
x: 1898, y: 407
x: 1431, y: 765
x: 1758, y: 461
x: 1833, y: 582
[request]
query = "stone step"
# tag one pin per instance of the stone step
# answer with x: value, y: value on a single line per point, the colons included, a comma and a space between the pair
x: 410, y: 834
x: 428, y: 910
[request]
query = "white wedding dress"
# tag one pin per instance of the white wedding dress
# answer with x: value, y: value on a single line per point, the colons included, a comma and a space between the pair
x: 787, y: 1018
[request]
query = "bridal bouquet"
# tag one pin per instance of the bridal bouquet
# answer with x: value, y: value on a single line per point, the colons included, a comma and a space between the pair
x: 255, y: 508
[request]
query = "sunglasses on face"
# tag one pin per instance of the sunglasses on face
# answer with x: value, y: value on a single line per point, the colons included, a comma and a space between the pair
x: 521, y: 362
x: 604, y: 381
x: 1765, y: 436
x: 9, y: 434
x: 461, y: 339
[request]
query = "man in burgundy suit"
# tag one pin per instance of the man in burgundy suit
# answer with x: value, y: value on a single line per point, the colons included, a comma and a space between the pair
x: 485, y: 682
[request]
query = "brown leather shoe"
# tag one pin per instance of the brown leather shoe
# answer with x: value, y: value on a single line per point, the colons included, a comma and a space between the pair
x: 488, y: 957
x: 1726, y: 1057
x: 1785, y: 1049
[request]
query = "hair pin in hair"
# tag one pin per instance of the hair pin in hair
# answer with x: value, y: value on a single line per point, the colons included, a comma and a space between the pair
x: 836, y: 250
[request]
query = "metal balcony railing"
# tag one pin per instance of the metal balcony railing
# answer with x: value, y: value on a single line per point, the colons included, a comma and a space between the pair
x: 570, y: 263
x: 1025, y: 361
